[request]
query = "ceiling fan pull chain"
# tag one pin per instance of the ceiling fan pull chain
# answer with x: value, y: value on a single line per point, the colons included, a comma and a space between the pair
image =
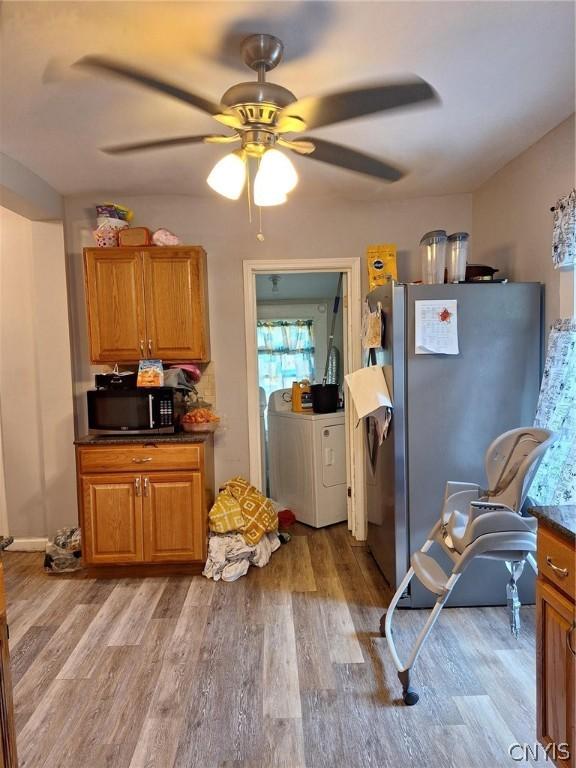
x: 260, y: 235
x: 248, y: 191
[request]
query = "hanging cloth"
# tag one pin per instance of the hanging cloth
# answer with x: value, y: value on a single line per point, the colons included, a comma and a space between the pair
x: 564, y: 231
x: 555, y: 479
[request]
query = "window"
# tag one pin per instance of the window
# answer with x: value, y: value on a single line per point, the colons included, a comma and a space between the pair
x: 285, y: 353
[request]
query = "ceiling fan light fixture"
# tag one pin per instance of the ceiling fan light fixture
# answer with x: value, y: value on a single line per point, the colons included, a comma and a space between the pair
x: 278, y: 169
x: 266, y: 194
x: 228, y: 177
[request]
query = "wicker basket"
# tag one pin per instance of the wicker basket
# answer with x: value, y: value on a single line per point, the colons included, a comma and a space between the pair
x: 204, y: 426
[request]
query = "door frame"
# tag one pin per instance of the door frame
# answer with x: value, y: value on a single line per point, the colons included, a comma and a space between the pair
x: 355, y: 467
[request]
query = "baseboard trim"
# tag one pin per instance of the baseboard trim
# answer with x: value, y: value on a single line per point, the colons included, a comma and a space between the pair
x: 28, y: 545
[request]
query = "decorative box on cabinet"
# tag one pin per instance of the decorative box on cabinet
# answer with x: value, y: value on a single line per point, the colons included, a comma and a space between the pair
x: 556, y: 645
x: 147, y: 303
x: 144, y: 503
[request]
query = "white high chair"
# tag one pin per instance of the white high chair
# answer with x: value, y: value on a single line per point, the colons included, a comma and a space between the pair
x: 477, y: 523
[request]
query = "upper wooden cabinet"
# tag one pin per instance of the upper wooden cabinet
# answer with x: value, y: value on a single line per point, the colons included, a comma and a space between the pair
x: 115, y: 298
x: 147, y: 302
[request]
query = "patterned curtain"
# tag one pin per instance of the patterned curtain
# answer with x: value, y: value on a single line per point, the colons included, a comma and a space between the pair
x: 564, y: 232
x: 555, y: 479
x: 285, y: 353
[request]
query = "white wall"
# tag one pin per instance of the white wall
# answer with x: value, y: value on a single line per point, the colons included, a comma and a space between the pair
x: 35, y: 378
x: 301, y: 228
x: 26, y: 193
x: 512, y: 222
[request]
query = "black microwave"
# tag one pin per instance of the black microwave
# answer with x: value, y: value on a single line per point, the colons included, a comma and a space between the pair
x: 137, y: 411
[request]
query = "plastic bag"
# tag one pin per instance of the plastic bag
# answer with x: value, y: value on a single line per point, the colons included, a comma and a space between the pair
x: 63, y: 552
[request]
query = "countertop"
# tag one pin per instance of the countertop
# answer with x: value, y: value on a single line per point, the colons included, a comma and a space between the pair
x: 562, y: 519
x: 176, y: 437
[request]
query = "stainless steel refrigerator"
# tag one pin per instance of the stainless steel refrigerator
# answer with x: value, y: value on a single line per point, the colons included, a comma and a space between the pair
x: 447, y: 409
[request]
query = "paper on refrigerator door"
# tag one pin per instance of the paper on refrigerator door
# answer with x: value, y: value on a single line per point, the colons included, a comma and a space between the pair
x: 370, y: 395
x: 436, y: 326
x: 368, y: 389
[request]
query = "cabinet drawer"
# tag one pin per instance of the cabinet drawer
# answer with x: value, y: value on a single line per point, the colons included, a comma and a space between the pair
x: 557, y: 561
x: 139, y: 458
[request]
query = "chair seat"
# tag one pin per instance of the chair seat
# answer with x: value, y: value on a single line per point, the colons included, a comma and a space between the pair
x: 429, y: 573
x: 454, y: 539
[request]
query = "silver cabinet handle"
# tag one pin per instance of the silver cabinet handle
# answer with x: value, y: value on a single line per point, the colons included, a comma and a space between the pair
x: 138, y: 488
x: 149, y: 346
x: 146, y: 486
x: 141, y: 460
x: 563, y: 572
x: 141, y: 347
x: 569, y: 638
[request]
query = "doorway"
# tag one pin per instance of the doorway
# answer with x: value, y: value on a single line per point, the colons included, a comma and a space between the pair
x: 308, y: 319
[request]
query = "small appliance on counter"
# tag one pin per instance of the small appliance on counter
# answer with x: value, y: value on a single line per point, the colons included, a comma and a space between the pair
x: 135, y: 411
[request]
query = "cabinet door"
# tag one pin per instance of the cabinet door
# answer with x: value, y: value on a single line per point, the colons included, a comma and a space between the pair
x: 8, y: 757
x: 176, y: 306
x: 174, y: 517
x: 112, y: 519
x: 114, y: 292
x: 556, y: 671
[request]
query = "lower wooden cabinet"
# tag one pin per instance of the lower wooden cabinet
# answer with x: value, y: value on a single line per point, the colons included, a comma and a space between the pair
x: 556, y: 649
x: 144, y: 517
x: 8, y: 757
x: 171, y: 533
x: 112, y: 530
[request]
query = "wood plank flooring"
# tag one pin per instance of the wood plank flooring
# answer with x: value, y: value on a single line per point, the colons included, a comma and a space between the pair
x: 284, y: 667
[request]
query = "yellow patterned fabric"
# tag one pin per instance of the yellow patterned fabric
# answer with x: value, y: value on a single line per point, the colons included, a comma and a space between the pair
x: 241, y: 507
x: 226, y: 514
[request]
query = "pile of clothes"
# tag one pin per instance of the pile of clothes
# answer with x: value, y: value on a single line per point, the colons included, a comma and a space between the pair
x: 243, y: 526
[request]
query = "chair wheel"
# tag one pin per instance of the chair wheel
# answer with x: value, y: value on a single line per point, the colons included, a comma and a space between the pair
x: 410, y: 698
x: 408, y: 694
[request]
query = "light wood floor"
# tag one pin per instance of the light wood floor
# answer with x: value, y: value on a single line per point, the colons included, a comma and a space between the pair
x: 282, y: 668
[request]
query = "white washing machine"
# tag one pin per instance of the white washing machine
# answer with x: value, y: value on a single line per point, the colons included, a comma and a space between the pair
x: 307, y: 462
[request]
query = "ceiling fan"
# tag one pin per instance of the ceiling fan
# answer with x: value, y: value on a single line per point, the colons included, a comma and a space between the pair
x: 263, y: 115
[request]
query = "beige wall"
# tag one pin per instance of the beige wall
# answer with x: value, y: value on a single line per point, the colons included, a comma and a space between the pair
x: 35, y: 378
x: 302, y: 228
x: 512, y: 223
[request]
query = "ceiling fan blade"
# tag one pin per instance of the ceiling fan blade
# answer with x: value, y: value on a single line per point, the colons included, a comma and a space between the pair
x: 175, y: 142
x: 299, y: 146
x: 127, y: 72
x: 316, y: 111
x: 351, y: 160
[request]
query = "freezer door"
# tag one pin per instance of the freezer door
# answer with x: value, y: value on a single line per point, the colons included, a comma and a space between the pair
x: 386, y: 465
x: 456, y: 405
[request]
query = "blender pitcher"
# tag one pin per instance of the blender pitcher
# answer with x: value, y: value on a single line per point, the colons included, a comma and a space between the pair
x: 457, y: 256
x: 433, y: 256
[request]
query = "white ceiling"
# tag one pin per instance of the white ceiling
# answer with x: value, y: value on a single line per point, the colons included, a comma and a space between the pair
x: 299, y: 286
x: 504, y: 70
